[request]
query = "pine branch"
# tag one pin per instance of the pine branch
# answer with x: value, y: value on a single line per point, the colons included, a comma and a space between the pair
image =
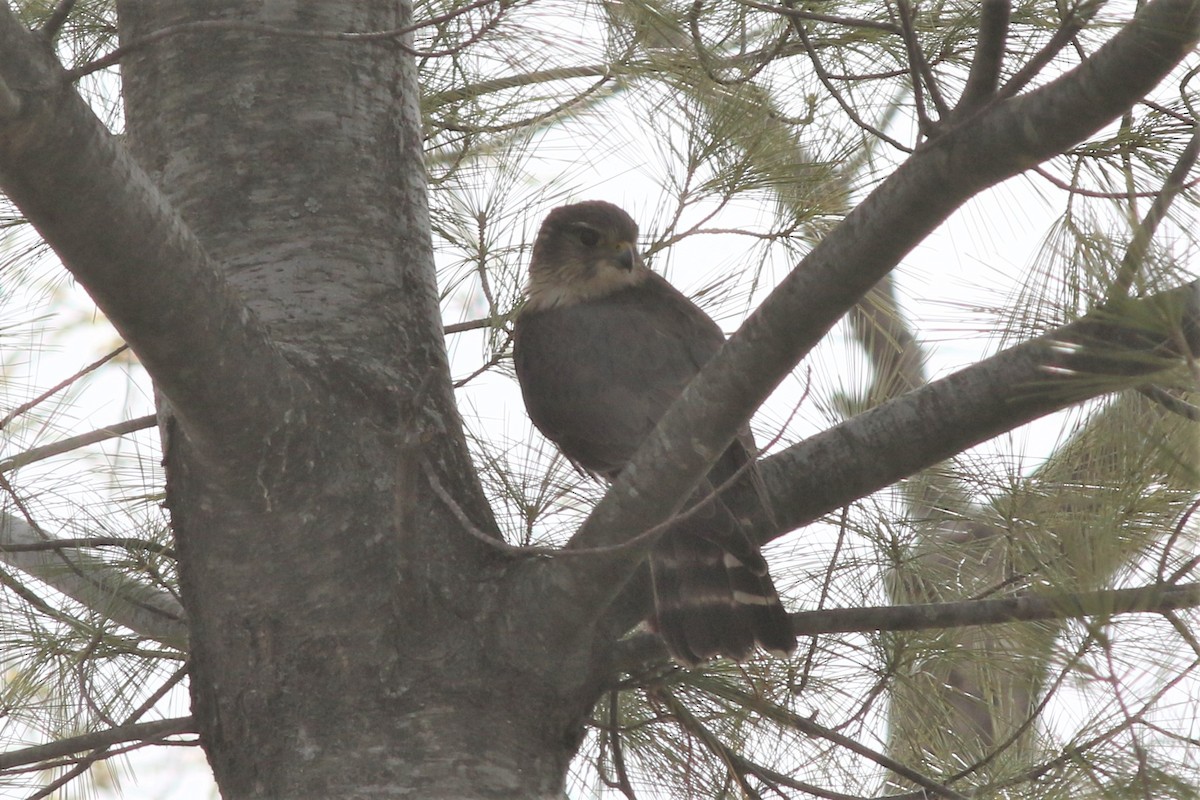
x: 1002, y: 141
x: 1088, y: 358
x: 984, y: 76
x: 96, y: 585
x: 641, y: 649
x: 36, y: 454
x: 137, y: 732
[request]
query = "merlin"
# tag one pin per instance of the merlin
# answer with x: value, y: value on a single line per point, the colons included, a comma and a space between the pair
x: 602, y: 347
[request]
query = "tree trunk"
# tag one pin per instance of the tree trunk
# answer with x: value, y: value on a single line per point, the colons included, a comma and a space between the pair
x: 343, y: 622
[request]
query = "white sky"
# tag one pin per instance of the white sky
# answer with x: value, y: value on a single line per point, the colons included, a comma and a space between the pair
x: 978, y: 260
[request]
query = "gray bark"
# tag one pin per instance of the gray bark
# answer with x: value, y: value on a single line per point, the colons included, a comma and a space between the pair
x: 342, y: 620
x: 344, y: 624
x: 353, y: 633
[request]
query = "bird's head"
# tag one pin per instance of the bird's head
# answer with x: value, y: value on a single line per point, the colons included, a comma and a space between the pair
x: 583, y: 251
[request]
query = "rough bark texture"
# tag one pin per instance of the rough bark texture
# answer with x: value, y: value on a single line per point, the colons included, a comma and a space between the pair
x: 350, y: 637
x: 338, y: 609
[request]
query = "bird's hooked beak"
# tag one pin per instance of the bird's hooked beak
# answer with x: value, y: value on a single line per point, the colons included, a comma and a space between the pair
x: 627, y: 256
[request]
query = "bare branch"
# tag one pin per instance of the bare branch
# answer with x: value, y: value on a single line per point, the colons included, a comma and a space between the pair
x: 641, y: 649
x: 63, y: 384
x: 984, y: 76
x: 138, y: 732
x: 75, y: 442
x: 474, y: 324
x: 96, y: 585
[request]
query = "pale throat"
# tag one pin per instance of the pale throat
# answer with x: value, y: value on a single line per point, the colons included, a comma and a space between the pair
x: 570, y: 284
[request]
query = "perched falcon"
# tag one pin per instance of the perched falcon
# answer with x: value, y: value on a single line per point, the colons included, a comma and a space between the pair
x: 603, y: 346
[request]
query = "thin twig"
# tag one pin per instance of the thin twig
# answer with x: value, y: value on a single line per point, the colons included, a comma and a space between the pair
x: 85, y: 763
x: 614, y: 738
x: 475, y: 90
x: 474, y: 324
x: 469, y: 526
x: 798, y: 13
x: 1135, y: 254
x: 95, y: 365
x: 558, y: 552
x: 734, y: 762
x: 558, y: 110
x: 496, y: 358
x: 139, y: 731
x: 815, y: 730
x: 1075, y: 753
x: 463, y: 43
x: 923, y: 80
x: 1066, y: 186
x: 1169, y: 545
x: 41, y: 606
x: 827, y: 82
x: 94, y: 584
x: 127, y: 542
x: 706, y: 59
x: 1073, y: 24
x: 75, y: 442
x: 826, y: 584
x: 1050, y: 692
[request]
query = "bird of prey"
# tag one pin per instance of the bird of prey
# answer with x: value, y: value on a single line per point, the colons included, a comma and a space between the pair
x: 602, y: 347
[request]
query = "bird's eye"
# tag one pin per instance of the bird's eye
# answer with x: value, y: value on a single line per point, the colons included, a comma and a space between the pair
x: 588, y: 237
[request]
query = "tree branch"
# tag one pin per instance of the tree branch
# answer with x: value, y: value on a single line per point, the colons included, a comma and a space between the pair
x: 1000, y: 142
x: 984, y: 76
x: 998, y: 611
x: 141, y: 731
x: 116, y: 233
x: 640, y: 649
x: 75, y: 442
x: 96, y: 585
x: 63, y: 384
x: 1088, y: 358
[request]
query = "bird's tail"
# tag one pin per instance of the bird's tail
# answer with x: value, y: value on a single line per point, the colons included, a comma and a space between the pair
x: 713, y: 595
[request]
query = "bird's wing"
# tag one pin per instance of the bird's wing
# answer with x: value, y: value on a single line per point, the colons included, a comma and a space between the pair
x: 598, y: 375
